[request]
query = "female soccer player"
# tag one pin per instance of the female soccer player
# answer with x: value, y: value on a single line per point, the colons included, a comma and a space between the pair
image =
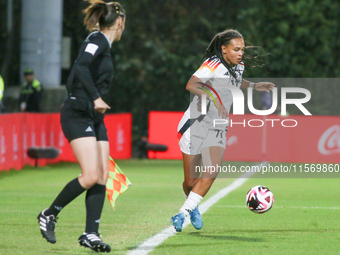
x: 82, y: 122
x: 200, y: 139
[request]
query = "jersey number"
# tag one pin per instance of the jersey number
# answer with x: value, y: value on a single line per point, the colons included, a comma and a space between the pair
x: 219, y: 133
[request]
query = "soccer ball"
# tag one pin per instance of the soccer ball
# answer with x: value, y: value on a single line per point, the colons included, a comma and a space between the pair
x: 259, y: 199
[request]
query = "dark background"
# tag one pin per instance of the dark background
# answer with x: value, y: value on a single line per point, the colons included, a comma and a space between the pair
x: 164, y: 42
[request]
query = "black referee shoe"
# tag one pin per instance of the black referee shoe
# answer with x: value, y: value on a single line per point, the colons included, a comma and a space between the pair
x: 93, y: 241
x: 47, y: 225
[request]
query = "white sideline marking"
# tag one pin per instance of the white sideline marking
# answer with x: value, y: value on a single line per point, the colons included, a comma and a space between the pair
x: 288, y: 207
x: 159, y: 238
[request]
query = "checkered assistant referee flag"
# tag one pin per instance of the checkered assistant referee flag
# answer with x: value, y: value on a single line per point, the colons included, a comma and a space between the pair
x: 117, y: 182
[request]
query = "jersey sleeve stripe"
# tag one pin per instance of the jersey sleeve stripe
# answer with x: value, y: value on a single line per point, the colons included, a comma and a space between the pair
x: 211, y: 65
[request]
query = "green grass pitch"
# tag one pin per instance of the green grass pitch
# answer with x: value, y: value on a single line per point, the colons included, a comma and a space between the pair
x: 304, y: 219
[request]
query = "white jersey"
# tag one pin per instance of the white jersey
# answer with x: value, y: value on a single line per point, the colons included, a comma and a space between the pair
x: 213, y: 73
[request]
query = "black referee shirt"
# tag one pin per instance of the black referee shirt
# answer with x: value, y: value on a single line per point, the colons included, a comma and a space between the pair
x: 92, y: 72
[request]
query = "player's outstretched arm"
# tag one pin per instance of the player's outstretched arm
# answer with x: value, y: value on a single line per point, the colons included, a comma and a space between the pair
x: 259, y: 86
x: 264, y: 86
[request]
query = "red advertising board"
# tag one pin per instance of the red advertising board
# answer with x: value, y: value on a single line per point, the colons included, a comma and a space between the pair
x: 20, y: 131
x: 163, y: 130
x: 315, y: 139
x: 274, y: 138
x: 119, y: 130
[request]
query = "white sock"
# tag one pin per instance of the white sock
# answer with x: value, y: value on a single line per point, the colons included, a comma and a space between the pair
x: 191, y: 203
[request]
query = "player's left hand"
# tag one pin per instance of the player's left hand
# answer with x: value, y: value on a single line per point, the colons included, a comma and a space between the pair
x: 264, y: 86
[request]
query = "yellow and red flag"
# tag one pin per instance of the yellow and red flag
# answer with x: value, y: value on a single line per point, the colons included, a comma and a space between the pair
x: 117, y: 182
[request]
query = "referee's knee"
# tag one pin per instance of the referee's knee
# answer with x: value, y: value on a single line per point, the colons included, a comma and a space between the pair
x: 104, y: 174
x: 88, y: 181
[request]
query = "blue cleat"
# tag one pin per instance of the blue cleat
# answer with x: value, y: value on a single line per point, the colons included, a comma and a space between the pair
x: 177, y: 221
x: 196, y: 219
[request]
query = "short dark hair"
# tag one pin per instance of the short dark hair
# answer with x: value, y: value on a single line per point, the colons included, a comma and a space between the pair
x: 104, y: 14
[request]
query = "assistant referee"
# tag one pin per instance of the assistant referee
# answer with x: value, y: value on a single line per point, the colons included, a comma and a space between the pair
x: 82, y: 122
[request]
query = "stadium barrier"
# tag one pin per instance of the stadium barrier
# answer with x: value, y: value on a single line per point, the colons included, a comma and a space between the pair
x: 273, y: 138
x: 20, y: 131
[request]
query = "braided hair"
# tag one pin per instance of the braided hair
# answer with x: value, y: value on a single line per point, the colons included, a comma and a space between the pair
x: 214, y: 48
x: 102, y: 14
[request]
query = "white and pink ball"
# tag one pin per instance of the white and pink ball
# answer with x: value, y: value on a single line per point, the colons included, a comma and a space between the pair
x: 260, y: 199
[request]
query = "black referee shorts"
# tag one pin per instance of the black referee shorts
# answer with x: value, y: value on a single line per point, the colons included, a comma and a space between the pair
x: 79, y: 119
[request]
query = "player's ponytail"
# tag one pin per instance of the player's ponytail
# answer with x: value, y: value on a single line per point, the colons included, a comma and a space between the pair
x: 102, y: 14
x: 214, y: 48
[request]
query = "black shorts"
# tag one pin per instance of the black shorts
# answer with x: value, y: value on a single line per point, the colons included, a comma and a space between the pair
x: 79, y: 119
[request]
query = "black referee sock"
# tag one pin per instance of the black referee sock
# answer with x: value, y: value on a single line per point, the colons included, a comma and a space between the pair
x: 72, y: 190
x: 94, y: 205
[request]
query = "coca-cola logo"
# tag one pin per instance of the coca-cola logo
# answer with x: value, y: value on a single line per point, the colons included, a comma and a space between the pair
x: 329, y: 142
